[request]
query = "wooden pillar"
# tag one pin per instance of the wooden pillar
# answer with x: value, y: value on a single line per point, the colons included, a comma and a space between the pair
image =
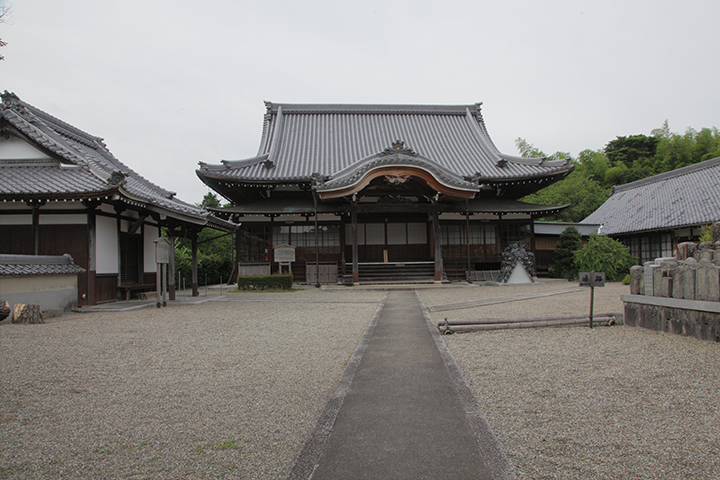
x: 118, y: 210
x: 467, y: 232
x: 438, y: 245
x: 355, y: 268
x: 194, y: 278
x: 317, y: 245
x: 92, y: 255
x: 35, y: 205
x: 532, y: 242
x: 171, y: 266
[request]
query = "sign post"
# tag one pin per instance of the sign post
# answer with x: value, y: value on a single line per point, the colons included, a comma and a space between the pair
x: 285, y: 255
x: 592, y: 280
x: 163, y: 248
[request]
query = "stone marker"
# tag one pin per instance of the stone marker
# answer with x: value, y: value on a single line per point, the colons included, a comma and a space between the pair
x: 689, y: 281
x: 685, y: 250
x: 701, y: 282
x: 713, y: 283
x: 650, y: 267
x: 678, y: 276
x: 636, y: 280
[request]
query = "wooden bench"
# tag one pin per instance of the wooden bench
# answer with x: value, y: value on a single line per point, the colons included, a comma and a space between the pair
x: 481, y: 275
x: 125, y: 290
x: 146, y: 295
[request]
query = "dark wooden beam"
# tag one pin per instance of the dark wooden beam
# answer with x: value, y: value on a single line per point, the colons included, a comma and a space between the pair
x: 138, y: 223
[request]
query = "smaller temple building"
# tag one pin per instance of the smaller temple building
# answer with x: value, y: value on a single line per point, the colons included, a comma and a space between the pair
x: 63, y: 192
x: 380, y: 192
x: 653, y: 215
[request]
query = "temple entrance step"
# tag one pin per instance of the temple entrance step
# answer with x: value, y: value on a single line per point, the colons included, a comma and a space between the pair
x: 397, y: 272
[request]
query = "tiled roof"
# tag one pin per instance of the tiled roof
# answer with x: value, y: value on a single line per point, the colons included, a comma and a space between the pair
x: 301, y: 140
x: 49, y: 177
x: 683, y: 197
x: 80, y: 165
x: 13, y: 265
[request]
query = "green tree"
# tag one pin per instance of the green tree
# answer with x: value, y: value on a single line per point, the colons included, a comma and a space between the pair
x: 676, y: 151
x: 214, y: 256
x: 584, y: 195
x: 528, y: 150
x: 210, y: 200
x: 603, y: 254
x: 215, y: 251
x: 563, y: 263
x: 628, y: 149
x: 578, y: 189
x: 593, y: 164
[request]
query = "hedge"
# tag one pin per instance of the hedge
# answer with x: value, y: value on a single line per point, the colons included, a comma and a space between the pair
x: 265, y: 282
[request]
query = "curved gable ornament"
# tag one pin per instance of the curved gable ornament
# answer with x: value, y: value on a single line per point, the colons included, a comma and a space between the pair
x: 397, y: 164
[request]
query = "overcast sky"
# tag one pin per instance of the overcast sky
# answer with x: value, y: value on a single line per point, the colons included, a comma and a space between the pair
x: 171, y: 83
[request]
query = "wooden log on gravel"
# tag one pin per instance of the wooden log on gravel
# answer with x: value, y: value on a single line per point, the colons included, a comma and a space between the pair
x: 447, y: 327
x: 26, y: 314
x: 483, y: 321
x: 4, y: 310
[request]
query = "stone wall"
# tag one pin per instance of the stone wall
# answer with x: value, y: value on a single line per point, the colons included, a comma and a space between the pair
x: 679, y: 294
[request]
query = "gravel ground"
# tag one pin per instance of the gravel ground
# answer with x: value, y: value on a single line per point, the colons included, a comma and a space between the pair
x: 574, y: 403
x: 226, y: 389
x: 232, y: 388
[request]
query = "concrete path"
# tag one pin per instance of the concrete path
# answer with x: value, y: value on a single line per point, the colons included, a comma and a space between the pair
x: 402, y: 417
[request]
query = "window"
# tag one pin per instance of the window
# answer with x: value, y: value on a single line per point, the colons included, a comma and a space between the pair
x: 304, y: 235
x: 253, y: 244
x: 454, y: 234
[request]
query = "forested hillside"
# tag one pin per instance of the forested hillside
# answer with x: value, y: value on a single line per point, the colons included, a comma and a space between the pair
x: 623, y: 160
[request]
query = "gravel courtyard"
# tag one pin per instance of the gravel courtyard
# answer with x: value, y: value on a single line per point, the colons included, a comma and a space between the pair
x: 231, y: 388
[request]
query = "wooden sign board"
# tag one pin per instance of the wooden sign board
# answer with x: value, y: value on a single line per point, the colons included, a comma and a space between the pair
x: 163, y: 247
x: 592, y: 279
x: 284, y: 253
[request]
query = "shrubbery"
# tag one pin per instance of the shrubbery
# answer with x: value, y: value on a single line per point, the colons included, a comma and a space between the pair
x: 214, y: 265
x: 265, y: 282
x: 563, y: 265
x: 603, y: 254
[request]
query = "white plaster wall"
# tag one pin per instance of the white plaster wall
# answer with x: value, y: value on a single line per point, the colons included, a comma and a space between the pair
x: 14, y: 206
x: 49, y: 291
x: 62, y: 206
x: 106, y: 245
x: 151, y: 234
x: 15, y: 219
x: 14, y: 148
x: 107, y: 208
x: 36, y: 283
x: 51, y: 219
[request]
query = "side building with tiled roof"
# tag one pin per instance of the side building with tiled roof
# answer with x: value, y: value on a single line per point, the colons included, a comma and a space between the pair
x: 651, y: 216
x: 377, y: 191
x: 63, y: 192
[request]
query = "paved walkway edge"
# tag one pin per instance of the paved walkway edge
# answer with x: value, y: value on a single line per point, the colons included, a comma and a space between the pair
x: 308, y: 457
x: 488, y: 444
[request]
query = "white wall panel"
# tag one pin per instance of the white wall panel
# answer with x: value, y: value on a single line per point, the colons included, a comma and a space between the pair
x: 62, y: 219
x: 106, y: 244
x: 15, y: 219
x: 14, y: 148
x: 151, y: 234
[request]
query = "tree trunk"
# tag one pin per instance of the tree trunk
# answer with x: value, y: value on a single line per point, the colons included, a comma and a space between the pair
x: 4, y: 310
x: 25, y: 313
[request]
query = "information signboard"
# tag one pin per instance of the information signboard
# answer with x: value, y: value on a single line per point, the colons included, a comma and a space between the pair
x: 592, y: 279
x: 284, y: 253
